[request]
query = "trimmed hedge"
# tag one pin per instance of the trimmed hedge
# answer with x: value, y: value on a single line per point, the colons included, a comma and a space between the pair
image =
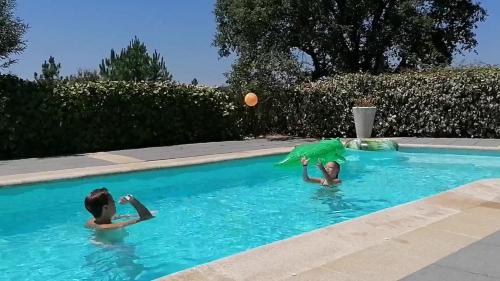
x: 41, y: 119
x: 446, y: 103
x: 50, y: 119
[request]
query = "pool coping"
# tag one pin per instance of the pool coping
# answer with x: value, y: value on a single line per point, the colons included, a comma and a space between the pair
x: 38, y: 177
x: 452, y: 147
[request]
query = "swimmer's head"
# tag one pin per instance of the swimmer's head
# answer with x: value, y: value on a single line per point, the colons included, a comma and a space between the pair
x: 100, y: 204
x: 332, y: 168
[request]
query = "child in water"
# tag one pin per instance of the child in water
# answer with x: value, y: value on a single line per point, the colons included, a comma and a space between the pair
x: 330, y: 172
x: 101, y: 205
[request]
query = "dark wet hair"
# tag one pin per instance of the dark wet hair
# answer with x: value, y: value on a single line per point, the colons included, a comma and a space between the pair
x: 338, y: 165
x: 96, y: 200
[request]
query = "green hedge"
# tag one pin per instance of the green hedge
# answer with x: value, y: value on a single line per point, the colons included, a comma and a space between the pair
x: 51, y: 119
x: 446, y: 103
x: 40, y: 119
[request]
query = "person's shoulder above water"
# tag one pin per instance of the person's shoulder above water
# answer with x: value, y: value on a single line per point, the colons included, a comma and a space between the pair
x: 107, y: 226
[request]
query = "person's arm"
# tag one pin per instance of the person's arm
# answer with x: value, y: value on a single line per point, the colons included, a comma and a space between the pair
x: 305, y: 174
x: 117, y: 217
x: 142, y: 211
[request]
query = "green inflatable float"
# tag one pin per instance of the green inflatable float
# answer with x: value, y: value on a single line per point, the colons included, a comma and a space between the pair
x: 372, y: 145
x: 326, y: 150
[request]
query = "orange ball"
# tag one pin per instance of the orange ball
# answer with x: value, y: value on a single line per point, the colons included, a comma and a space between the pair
x: 251, y: 99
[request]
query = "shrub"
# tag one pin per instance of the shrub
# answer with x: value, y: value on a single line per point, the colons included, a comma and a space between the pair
x: 445, y: 103
x: 40, y: 119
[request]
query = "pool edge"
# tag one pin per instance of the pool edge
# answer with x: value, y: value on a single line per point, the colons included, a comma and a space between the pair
x: 39, y: 177
x: 47, y: 176
x: 452, y: 147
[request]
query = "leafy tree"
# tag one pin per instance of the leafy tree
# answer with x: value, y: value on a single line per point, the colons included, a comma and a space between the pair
x: 134, y: 64
x: 12, y: 30
x: 350, y: 35
x: 265, y: 72
x: 194, y: 82
x: 50, y: 71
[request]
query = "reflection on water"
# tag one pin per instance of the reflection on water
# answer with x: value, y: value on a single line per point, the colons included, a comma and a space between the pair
x: 109, y: 237
x: 113, y: 258
x: 332, y: 197
x: 343, y: 207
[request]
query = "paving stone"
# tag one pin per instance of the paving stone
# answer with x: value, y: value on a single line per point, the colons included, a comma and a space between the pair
x: 465, y: 142
x: 33, y: 165
x: 477, y: 258
x: 489, y: 143
x: 437, y: 272
x: 439, y: 141
x: 493, y: 239
x: 411, y: 140
x: 200, y: 149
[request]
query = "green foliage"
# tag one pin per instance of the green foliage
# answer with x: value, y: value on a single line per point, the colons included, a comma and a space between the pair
x: 134, y: 64
x: 25, y: 127
x: 349, y: 36
x: 194, y: 82
x: 50, y: 71
x: 445, y: 103
x: 265, y: 72
x: 84, y: 76
x: 265, y: 75
x: 12, y: 30
x: 40, y: 119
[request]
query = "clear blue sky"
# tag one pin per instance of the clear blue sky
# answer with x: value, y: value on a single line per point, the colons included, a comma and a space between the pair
x: 80, y: 33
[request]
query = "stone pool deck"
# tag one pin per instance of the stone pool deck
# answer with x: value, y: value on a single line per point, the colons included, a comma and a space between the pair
x: 451, y: 236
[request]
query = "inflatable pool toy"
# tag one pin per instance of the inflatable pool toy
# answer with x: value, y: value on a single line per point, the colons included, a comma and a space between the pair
x: 325, y: 150
x: 372, y: 144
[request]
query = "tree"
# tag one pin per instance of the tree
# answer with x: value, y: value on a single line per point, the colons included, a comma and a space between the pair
x: 350, y: 35
x: 194, y: 82
x: 12, y: 30
x: 134, y: 64
x: 50, y: 71
x: 84, y: 75
x: 265, y: 72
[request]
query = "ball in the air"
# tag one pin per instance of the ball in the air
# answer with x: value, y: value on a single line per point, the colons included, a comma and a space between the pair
x: 251, y: 99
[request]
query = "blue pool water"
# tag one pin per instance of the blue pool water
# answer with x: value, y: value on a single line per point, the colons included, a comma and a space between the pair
x: 208, y: 212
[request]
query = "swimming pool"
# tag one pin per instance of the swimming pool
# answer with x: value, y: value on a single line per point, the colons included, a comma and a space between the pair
x: 209, y: 211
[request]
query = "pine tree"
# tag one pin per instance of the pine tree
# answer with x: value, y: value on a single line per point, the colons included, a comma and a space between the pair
x: 134, y: 64
x: 50, y: 71
x: 84, y: 75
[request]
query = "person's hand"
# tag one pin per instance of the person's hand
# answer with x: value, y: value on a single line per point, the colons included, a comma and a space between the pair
x: 125, y: 199
x: 304, y: 161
